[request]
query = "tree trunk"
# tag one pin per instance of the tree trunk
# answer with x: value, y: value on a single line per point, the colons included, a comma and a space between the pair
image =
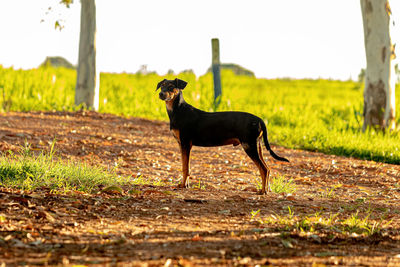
x: 379, y: 92
x: 87, y: 84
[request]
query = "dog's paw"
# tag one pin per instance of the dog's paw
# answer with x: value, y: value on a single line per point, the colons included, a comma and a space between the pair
x: 182, y: 185
x: 262, y: 192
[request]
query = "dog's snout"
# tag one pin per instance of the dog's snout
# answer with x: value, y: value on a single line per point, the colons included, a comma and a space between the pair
x: 161, y: 95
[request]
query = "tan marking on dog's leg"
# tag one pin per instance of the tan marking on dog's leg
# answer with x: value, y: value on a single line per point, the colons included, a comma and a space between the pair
x: 267, y: 169
x: 263, y: 177
x: 260, y: 135
x: 185, y: 170
x: 185, y: 166
x: 252, y: 151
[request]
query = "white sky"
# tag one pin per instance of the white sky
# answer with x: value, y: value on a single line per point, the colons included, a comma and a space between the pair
x: 285, y: 38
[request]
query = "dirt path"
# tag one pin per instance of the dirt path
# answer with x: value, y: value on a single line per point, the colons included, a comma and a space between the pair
x: 215, y: 222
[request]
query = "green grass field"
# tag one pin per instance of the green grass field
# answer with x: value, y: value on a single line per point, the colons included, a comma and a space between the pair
x: 28, y: 171
x: 317, y: 115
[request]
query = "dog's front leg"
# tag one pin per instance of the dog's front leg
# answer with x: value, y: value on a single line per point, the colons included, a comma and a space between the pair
x: 185, y: 150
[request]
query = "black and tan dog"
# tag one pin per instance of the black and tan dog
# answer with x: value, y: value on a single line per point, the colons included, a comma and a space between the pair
x: 193, y: 127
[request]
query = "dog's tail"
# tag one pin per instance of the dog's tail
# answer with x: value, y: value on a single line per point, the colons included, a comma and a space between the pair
x: 265, y: 137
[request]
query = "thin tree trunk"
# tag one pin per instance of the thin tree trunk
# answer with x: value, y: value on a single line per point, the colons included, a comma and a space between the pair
x: 379, y: 104
x: 87, y: 84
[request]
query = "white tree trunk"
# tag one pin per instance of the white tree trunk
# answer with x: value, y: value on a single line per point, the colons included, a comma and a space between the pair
x: 87, y: 84
x: 379, y: 92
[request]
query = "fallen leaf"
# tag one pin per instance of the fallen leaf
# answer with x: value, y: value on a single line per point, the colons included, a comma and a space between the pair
x: 286, y: 243
x: 291, y: 198
x: 113, y: 189
x: 46, y: 215
x: 197, y: 238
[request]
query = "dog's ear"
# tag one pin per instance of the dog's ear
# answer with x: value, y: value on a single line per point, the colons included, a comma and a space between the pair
x: 180, y: 84
x: 159, y: 84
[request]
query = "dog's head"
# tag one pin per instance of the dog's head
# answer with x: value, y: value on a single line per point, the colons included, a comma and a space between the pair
x: 170, y: 88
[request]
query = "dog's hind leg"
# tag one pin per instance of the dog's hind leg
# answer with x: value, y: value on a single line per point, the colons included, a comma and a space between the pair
x: 268, y: 170
x: 252, y: 150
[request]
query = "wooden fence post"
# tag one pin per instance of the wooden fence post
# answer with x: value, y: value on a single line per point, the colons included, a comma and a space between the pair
x: 215, y: 65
